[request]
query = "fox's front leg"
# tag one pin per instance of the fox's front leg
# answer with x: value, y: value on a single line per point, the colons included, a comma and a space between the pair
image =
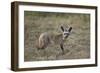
x: 62, y: 48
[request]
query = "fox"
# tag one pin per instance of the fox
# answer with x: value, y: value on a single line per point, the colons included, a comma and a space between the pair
x: 47, y: 38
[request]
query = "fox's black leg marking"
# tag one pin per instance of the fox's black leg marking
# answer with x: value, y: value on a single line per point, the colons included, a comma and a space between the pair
x: 62, y: 48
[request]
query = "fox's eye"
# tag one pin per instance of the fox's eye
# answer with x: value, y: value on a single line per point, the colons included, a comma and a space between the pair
x: 64, y: 33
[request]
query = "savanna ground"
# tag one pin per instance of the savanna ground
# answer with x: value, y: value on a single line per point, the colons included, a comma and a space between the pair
x: 78, y: 43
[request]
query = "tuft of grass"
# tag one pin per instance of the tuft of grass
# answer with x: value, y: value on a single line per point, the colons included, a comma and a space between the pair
x: 77, y: 46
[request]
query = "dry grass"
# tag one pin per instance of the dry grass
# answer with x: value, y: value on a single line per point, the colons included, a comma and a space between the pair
x: 78, y: 43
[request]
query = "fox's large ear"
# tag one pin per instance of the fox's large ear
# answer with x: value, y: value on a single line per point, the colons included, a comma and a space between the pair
x: 70, y: 29
x: 62, y: 28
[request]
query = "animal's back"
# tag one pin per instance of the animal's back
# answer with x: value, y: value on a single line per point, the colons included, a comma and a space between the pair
x: 48, y: 38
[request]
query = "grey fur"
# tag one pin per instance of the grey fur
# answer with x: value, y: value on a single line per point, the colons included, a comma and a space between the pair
x: 47, y: 38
